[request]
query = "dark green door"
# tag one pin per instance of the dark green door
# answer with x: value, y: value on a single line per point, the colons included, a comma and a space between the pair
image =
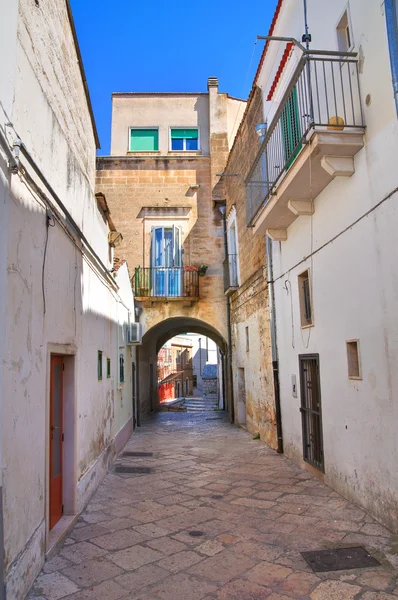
x: 291, y: 130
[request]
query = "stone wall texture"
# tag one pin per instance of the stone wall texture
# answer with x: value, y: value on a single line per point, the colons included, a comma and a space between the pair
x: 251, y: 345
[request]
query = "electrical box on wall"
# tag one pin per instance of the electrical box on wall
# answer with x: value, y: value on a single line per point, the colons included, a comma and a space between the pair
x: 294, y: 386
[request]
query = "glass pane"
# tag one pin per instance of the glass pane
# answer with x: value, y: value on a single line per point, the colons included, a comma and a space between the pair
x: 168, y: 248
x: 191, y: 144
x: 158, y: 247
x: 177, y: 144
x: 56, y: 419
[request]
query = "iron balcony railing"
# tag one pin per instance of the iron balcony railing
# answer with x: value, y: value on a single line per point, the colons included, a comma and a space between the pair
x: 323, y: 94
x: 230, y: 265
x: 166, y: 282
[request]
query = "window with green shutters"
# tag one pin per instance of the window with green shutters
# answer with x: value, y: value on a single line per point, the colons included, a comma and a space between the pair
x: 184, y: 139
x: 291, y: 130
x: 144, y: 140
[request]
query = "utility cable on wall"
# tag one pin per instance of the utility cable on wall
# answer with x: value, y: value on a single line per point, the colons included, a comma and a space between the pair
x: 334, y: 238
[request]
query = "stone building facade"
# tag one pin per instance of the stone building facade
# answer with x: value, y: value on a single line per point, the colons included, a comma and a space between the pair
x: 175, y: 371
x: 247, y: 288
x: 65, y: 361
x: 161, y: 185
x: 318, y: 199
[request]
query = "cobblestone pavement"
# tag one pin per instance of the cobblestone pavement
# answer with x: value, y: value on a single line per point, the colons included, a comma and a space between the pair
x: 256, y: 511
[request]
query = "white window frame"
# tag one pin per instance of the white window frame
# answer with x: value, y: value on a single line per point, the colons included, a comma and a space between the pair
x: 346, y: 11
x: 301, y: 299
x: 184, y: 142
x: 142, y: 127
x: 232, y: 223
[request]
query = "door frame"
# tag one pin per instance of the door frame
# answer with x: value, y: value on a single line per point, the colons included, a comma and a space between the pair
x: 69, y: 454
x: 302, y: 357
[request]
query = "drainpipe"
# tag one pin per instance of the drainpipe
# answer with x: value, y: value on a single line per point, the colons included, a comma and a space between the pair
x: 274, y: 346
x: 229, y: 350
x: 392, y: 35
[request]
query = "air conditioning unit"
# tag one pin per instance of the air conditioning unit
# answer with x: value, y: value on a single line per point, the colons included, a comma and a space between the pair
x: 134, y: 333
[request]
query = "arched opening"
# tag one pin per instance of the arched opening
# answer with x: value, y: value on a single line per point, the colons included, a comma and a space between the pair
x: 178, y: 383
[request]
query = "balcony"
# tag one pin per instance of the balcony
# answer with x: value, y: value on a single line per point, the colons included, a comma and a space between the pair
x: 230, y: 266
x: 313, y: 137
x: 166, y: 284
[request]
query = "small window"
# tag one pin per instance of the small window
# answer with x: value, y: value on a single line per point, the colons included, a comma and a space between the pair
x: 305, y: 300
x: 99, y: 365
x: 108, y: 368
x: 344, y: 35
x: 184, y: 139
x: 195, y: 380
x: 354, y: 367
x: 144, y: 140
x: 247, y: 339
x: 121, y: 368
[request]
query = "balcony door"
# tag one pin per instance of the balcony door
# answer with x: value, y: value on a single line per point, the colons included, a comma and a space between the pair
x: 166, y: 261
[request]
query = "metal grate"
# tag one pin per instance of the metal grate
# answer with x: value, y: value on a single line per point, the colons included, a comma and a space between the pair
x: 134, y: 470
x: 339, y: 559
x: 129, y: 453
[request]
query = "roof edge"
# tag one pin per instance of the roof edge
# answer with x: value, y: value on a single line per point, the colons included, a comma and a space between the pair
x: 82, y: 73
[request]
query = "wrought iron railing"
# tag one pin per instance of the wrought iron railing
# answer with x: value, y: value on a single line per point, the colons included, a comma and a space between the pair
x: 166, y: 282
x: 323, y: 93
x: 230, y: 265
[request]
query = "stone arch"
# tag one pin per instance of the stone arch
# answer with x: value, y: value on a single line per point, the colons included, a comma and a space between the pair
x: 154, y: 339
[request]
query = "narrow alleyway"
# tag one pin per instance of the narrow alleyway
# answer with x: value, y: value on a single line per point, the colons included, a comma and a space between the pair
x: 217, y: 516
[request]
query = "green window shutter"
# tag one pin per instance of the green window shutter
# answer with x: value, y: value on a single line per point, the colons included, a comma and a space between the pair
x: 291, y: 130
x: 144, y: 140
x: 188, y: 134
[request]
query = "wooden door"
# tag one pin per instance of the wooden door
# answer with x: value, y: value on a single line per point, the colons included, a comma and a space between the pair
x: 56, y: 438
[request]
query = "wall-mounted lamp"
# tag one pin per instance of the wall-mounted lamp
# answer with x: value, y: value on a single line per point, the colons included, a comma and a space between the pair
x: 115, y: 238
x: 261, y: 129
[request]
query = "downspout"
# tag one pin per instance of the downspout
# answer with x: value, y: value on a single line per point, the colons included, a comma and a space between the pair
x: 228, y: 302
x: 274, y: 345
x: 392, y: 35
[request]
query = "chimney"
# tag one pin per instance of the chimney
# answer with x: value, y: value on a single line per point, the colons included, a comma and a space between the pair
x: 212, y: 82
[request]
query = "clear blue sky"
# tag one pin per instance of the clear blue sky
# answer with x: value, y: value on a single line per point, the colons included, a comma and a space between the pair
x: 143, y: 45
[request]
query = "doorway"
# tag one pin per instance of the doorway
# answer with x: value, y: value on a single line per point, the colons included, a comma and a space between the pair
x: 311, y: 410
x: 241, y: 397
x: 56, y: 438
x: 134, y: 394
x: 166, y: 261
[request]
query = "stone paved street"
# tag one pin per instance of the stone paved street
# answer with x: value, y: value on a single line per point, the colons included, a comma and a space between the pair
x: 256, y: 511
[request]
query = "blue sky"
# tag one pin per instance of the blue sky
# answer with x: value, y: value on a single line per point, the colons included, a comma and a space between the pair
x: 139, y: 45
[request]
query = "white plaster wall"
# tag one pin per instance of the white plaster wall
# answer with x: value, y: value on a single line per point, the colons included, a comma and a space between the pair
x: 82, y: 308
x: 235, y: 111
x: 199, y: 355
x: 163, y: 111
x: 354, y: 286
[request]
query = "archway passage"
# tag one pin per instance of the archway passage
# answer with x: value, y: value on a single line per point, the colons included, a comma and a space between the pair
x: 152, y: 342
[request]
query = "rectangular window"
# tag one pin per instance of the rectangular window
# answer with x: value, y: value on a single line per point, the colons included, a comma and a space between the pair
x: 247, y: 339
x: 305, y: 299
x: 99, y: 365
x: 121, y: 368
x: 108, y: 368
x: 184, y: 139
x: 144, y: 140
x: 344, y: 36
x: 354, y: 367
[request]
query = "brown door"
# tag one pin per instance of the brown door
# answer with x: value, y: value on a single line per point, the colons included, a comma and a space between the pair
x: 56, y: 438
